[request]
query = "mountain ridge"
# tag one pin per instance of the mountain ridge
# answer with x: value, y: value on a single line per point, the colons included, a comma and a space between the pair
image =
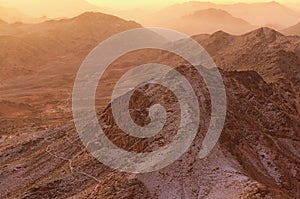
x: 209, y: 21
x: 270, y: 48
x: 41, y: 155
x: 259, y: 14
x: 293, y: 30
x: 56, y: 37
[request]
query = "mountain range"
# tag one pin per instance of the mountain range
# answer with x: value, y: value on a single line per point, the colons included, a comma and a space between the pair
x: 41, y: 155
x: 55, y: 9
x: 209, y: 21
x: 12, y: 15
x: 27, y: 47
x: 259, y: 14
x: 256, y: 14
x: 236, y: 18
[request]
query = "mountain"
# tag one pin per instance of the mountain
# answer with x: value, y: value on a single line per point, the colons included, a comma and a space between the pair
x: 7, y: 29
x: 263, y: 13
x: 209, y: 21
x: 259, y: 14
x: 41, y: 155
x: 264, y: 50
x: 31, y: 47
x: 55, y: 9
x: 257, y: 155
x: 293, y: 30
x: 255, y: 158
x: 12, y: 15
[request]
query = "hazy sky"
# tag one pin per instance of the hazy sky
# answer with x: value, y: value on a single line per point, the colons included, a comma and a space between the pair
x: 60, y: 8
x: 141, y: 3
x: 135, y: 3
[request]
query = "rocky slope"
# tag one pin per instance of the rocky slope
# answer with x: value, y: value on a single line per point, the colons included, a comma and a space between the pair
x: 32, y: 47
x: 257, y: 155
x: 38, y: 66
x: 264, y: 50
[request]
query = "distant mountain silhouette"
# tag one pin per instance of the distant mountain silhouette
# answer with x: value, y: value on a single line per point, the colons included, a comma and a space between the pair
x: 209, y: 21
x: 260, y: 14
x: 293, y: 30
x: 56, y: 8
x: 24, y: 48
x: 11, y: 15
x: 264, y: 13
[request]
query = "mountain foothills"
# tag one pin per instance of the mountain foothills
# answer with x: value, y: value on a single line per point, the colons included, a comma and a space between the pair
x: 41, y: 155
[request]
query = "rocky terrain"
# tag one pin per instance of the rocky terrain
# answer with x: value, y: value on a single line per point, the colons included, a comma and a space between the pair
x: 41, y: 155
x: 32, y: 47
x: 39, y: 63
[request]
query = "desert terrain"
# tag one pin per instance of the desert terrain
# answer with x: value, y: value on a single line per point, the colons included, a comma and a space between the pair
x: 258, y: 153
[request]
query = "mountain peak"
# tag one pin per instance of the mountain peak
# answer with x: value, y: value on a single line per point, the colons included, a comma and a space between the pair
x: 221, y: 33
x: 265, y: 32
x: 211, y: 11
x: 92, y: 16
x: 273, y: 3
x: 101, y: 18
x: 88, y: 15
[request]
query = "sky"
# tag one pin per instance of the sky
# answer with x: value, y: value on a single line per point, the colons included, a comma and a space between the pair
x: 138, y: 3
x: 60, y: 8
x: 141, y: 3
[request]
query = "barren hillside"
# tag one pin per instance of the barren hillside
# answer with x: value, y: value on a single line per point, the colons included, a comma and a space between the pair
x: 41, y: 154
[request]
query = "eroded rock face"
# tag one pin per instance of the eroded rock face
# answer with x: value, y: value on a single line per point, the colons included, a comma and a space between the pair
x: 257, y: 155
x: 264, y: 50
